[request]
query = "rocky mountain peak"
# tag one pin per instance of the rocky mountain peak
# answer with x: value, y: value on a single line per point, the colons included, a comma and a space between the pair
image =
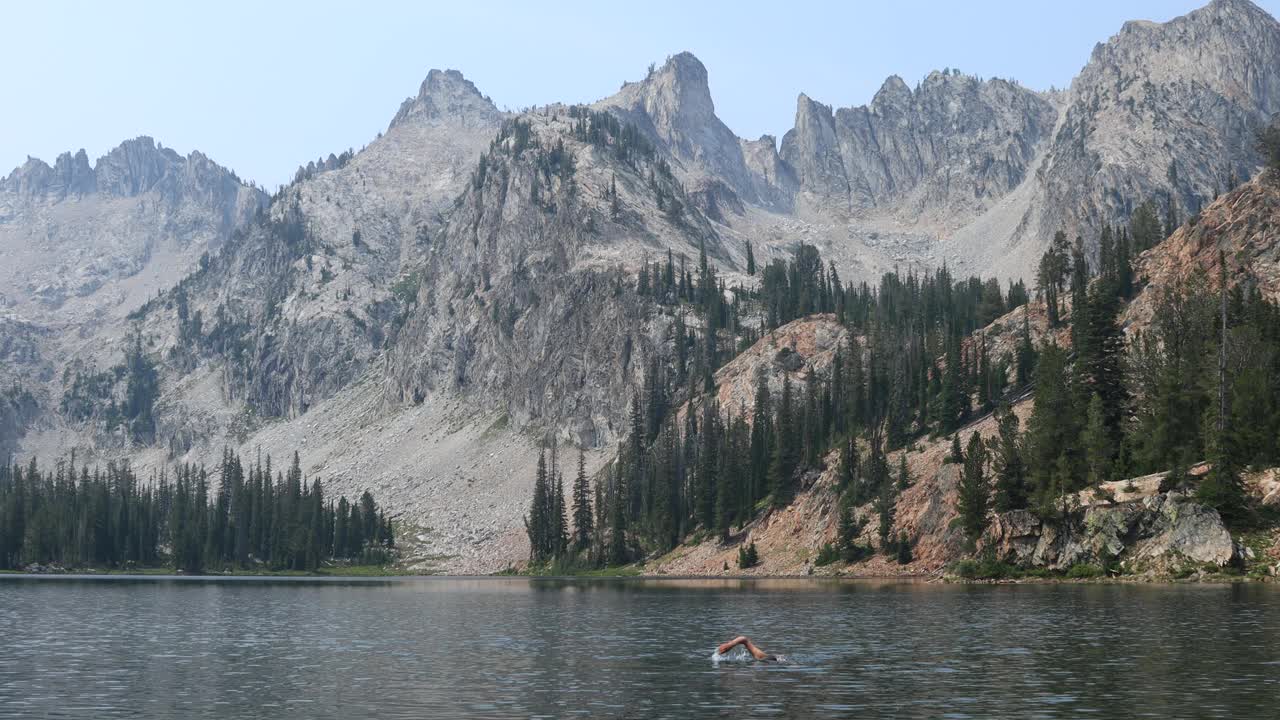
x: 951, y: 147
x: 134, y: 166
x: 130, y: 169
x: 892, y: 93
x: 678, y: 92
x: 673, y: 105
x: 447, y: 97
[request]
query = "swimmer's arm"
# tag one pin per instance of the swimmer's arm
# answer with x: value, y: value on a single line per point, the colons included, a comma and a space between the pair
x: 731, y: 645
x: 756, y: 652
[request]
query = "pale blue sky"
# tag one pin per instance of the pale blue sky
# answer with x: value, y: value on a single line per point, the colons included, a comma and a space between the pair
x: 264, y: 86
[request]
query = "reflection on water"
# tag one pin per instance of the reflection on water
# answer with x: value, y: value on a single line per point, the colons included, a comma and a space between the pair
x: 514, y: 647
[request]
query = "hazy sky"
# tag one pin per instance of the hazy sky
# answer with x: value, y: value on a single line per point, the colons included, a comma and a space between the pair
x: 264, y: 86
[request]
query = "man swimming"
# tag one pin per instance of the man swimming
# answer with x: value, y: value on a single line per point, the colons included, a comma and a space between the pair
x: 742, y: 640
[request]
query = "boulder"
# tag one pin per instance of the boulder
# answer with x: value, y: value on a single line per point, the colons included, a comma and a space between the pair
x: 1159, y: 529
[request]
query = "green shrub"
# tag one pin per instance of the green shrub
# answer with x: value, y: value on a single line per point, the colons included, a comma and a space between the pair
x: 985, y: 569
x: 827, y: 554
x: 748, y: 556
x: 1081, y: 571
x: 904, y: 549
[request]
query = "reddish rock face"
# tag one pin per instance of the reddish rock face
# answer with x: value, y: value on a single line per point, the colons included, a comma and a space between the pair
x: 1242, y: 227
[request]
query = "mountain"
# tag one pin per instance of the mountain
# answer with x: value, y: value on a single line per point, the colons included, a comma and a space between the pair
x: 1164, y: 111
x: 110, y: 234
x: 86, y: 245
x: 1167, y: 109
x: 423, y: 315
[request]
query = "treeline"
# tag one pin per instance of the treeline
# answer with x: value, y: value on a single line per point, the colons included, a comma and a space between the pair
x: 245, y: 519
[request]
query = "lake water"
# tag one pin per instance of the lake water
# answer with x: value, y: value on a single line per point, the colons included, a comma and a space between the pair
x: 514, y: 647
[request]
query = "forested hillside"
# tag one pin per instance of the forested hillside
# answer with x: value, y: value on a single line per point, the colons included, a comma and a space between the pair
x: 1113, y: 397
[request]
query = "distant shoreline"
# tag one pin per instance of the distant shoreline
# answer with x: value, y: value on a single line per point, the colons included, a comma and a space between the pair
x: 1206, y: 579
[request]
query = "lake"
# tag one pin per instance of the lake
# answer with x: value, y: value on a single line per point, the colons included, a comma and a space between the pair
x: 517, y: 647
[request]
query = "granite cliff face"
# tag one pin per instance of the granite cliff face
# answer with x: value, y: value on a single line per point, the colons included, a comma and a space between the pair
x: 954, y: 145
x: 673, y: 106
x: 1162, y: 111
x: 299, y: 303
x: 984, y: 172
x: 526, y: 301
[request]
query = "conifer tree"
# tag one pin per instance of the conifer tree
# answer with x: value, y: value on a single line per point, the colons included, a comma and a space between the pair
x: 956, y: 454
x: 1007, y: 464
x: 559, y: 519
x: 618, y: 553
x: 904, y: 548
x: 1096, y: 439
x: 782, y: 465
x: 583, y: 521
x: 1052, y: 431
x: 847, y: 533
x: 974, y: 491
x: 886, y: 508
x: 538, y: 522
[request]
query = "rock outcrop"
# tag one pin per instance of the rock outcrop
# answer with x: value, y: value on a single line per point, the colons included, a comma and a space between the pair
x: 301, y: 302
x: 446, y: 97
x: 1241, y: 228
x: 527, y: 301
x: 673, y: 106
x: 1158, y: 532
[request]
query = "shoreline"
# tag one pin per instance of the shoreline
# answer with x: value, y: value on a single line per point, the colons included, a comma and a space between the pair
x: 1199, y: 579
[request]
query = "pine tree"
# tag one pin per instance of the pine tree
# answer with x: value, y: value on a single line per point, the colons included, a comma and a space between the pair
x: 538, y: 522
x: 1026, y: 359
x: 974, y: 492
x: 1098, y: 446
x: 886, y: 508
x: 1052, y: 431
x: 847, y: 533
x: 559, y: 519
x: 904, y: 548
x: 618, y: 553
x: 751, y: 259
x: 956, y: 454
x: 1222, y: 487
x: 1007, y: 464
x: 583, y: 521
x: 782, y: 466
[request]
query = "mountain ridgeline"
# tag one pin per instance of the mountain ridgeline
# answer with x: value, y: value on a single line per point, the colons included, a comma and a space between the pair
x: 426, y: 314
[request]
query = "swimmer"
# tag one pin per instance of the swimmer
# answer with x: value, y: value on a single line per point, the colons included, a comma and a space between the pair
x: 742, y: 640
